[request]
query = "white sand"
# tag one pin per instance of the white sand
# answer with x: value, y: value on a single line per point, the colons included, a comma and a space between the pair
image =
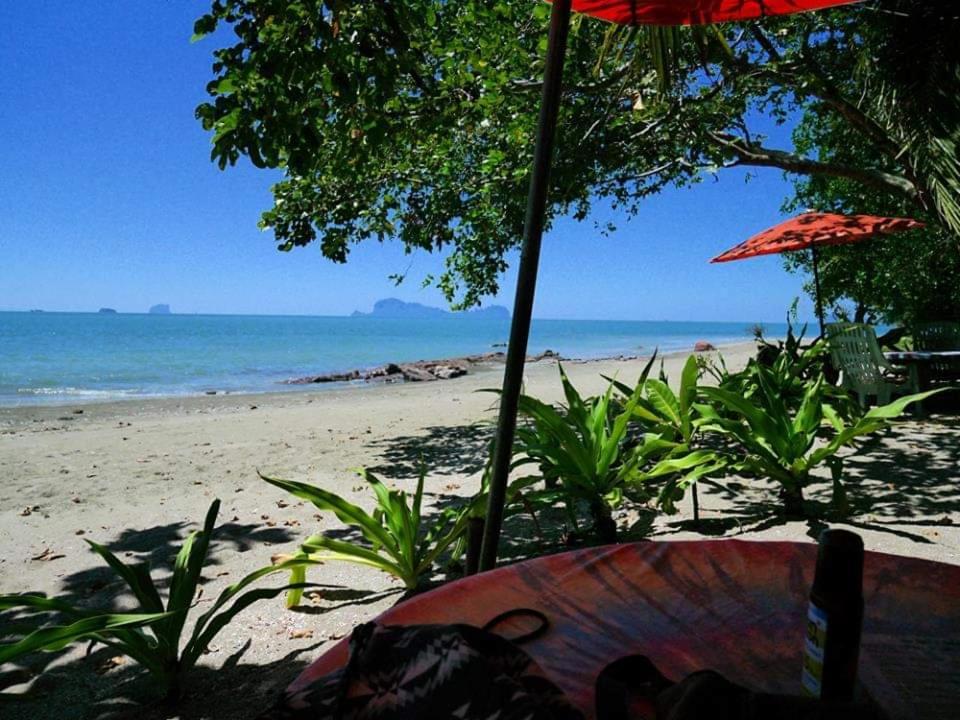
x: 139, y: 475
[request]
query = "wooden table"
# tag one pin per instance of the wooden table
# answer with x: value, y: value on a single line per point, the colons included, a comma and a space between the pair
x: 734, y: 606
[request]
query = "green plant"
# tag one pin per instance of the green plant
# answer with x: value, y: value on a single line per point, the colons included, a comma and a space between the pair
x: 673, y: 422
x: 792, y: 367
x: 778, y: 442
x: 151, y: 634
x: 399, y: 542
x: 379, y: 115
x: 581, y: 445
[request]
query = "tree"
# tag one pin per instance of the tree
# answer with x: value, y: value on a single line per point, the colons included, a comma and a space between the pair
x: 907, y: 278
x: 413, y: 120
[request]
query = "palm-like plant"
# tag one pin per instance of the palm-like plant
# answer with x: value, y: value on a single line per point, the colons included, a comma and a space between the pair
x: 778, y: 442
x: 673, y: 421
x: 152, y: 633
x: 398, y: 540
x: 581, y: 445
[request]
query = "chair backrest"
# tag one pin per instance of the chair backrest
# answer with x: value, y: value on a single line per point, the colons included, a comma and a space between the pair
x: 939, y: 336
x: 855, y: 353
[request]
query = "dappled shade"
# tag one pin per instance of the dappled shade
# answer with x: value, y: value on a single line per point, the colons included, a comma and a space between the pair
x: 814, y: 229
x: 694, y: 12
x: 733, y: 606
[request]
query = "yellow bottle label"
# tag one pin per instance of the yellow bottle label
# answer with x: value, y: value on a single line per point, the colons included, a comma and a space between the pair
x: 816, y: 639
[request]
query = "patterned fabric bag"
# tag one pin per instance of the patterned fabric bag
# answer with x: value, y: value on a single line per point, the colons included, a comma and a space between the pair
x: 433, y: 671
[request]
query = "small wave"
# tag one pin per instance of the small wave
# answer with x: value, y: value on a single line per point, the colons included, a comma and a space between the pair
x: 77, y: 392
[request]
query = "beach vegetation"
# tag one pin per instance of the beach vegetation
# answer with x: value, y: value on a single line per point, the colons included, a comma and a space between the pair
x: 579, y: 449
x: 672, y: 422
x: 152, y: 633
x: 396, y: 537
x: 773, y: 440
x: 414, y: 120
x: 778, y: 419
x: 790, y: 367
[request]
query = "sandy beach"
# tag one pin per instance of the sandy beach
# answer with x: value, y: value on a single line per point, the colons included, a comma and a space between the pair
x: 139, y: 475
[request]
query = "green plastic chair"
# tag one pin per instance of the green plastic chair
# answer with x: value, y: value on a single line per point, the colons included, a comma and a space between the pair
x: 940, y: 336
x: 864, y: 370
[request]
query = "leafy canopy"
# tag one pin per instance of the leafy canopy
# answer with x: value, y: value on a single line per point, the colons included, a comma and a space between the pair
x: 910, y: 277
x: 414, y: 120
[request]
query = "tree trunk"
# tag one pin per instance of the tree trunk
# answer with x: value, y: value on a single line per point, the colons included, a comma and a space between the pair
x: 860, y: 314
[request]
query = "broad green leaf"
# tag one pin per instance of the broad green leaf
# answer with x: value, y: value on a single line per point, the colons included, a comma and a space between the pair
x: 57, y: 637
x: 199, y: 643
x: 137, y: 578
x: 664, y: 401
x: 346, y: 512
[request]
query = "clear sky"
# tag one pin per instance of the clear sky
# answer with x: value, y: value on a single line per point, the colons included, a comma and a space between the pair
x: 108, y: 198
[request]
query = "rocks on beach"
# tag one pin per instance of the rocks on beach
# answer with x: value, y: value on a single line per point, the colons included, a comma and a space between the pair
x: 420, y: 371
x: 703, y: 346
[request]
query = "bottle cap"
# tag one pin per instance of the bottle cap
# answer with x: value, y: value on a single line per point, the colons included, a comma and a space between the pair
x: 839, y: 565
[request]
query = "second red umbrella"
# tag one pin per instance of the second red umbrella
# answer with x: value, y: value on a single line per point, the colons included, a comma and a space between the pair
x: 809, y: 231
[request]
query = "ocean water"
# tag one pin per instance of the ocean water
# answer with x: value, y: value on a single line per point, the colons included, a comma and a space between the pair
x: 60, y: 358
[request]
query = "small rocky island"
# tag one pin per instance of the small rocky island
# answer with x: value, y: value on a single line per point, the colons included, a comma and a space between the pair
x: 107, y: 311
x: 161, y: 309
x: 398, y: 309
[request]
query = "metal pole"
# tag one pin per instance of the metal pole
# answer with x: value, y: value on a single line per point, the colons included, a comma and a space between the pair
x: 526, y: 280
x: 816, y: 281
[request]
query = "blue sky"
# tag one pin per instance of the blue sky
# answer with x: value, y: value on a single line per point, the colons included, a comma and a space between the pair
x: 108, y: 198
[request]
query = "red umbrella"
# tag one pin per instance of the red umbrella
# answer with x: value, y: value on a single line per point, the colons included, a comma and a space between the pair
x: 809, y: 231
x: 692, y: 12
x: 664, y: 12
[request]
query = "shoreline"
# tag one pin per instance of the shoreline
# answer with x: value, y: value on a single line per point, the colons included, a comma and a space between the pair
x: 365, y: 379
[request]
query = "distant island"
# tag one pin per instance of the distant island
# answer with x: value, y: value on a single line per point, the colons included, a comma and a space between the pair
x: 107, y: 311
x: 393, y: 308
x: 160, y: 309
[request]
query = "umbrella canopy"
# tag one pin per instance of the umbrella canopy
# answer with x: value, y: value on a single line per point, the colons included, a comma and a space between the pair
x: 693, y: 12
x: 811, y: 229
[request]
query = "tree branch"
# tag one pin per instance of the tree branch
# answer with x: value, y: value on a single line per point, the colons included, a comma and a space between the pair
x: 759, y: 156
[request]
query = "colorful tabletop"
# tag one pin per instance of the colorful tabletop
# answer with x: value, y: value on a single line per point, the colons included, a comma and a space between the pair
x: 734, y: 606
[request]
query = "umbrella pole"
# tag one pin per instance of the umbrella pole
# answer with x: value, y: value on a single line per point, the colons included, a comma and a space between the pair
x: 526, y: 281
x: 816, y: 282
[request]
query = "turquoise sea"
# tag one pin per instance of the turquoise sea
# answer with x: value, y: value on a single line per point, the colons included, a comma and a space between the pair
x: 60, y: 358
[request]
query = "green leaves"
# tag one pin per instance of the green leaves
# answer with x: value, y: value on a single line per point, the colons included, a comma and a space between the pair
x: 580, y: 446
x: 399, y: 543
x: 150, y: 636
x: 57, y: 637
x: 413, y: 121
x: 673, y: 421
x: 781, y: 442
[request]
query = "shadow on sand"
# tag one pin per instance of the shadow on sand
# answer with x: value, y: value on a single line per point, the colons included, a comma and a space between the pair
x: 902, y: 479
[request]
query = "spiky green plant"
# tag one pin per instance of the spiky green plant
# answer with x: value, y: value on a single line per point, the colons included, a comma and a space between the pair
x: 398, y: 539
x: 152, y: 633
x: 582, y: 446
x: 780, y: 443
